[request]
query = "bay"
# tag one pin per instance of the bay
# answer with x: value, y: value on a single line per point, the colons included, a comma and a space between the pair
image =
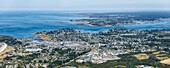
x: 22, y: 24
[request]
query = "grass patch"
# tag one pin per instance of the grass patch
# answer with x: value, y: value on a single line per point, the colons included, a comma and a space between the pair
x: 167, y: 61
x: 155, y: 53
x: 162, y: 58
x: 141, y: 56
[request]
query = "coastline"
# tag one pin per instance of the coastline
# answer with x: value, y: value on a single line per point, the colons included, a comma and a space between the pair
x: 22, y: 28
x: 88, y: 23
x: 3, y: 47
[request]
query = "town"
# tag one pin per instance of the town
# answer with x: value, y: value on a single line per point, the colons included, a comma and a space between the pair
x: 72, y: 48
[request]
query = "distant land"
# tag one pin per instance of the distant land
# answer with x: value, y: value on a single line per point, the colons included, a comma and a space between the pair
x: 122, y: 18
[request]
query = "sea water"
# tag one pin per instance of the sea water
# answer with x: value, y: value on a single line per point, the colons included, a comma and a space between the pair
x: 22, y: 24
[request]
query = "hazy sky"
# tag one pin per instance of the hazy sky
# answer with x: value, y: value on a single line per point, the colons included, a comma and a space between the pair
x: 84, y: 4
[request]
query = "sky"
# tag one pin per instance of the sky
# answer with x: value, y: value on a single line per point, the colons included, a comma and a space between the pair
x: 84, y: 4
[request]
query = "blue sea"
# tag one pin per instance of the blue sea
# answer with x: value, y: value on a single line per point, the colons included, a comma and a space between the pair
x: 22, y: 24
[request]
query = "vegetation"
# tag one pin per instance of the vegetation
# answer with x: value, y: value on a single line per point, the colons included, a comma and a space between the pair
x: 127, y: 60
x: 141, y: 56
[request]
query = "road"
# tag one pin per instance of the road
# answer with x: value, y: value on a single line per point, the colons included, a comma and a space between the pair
x: 3, y: 46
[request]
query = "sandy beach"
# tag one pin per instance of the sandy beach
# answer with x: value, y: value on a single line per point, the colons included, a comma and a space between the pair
x: 2, y: 47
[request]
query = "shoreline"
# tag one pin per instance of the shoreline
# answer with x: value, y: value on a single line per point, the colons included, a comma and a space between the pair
x: 88, y: 23
x: 45, y: 37
x: 3, y: 47
x: 33, y: 35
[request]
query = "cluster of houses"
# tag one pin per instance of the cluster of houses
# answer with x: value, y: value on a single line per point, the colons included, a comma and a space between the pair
x: 101, y: 56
